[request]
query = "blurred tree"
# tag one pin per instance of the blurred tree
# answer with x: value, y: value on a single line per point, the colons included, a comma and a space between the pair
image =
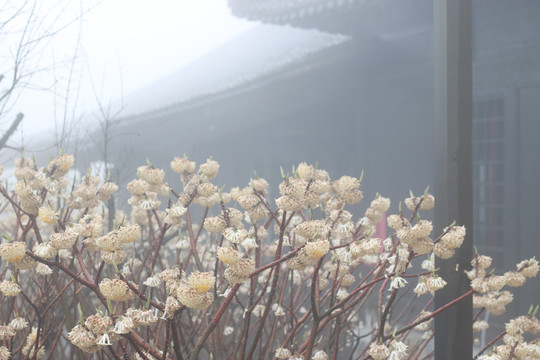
x: 27, y: 56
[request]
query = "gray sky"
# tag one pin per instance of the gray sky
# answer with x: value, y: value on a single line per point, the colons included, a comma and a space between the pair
x: 124, y: 45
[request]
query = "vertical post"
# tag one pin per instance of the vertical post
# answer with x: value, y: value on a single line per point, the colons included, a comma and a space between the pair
x: 453, y: 169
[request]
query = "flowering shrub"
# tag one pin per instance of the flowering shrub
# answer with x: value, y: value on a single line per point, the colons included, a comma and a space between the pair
x: 241, y: 277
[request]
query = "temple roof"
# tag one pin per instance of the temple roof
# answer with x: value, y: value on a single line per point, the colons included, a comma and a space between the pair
x: 240, y: 63
x: 296, y: 12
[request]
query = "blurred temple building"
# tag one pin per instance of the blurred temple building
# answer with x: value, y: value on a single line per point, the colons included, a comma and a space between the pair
x: 349, y: 84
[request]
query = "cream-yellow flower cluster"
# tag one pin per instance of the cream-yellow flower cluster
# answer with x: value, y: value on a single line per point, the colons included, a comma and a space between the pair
x: 309, y: 254
x: 116, y: 289
x: 193, y: 297
x: 239, y: 271
x: 13, y: 252
x: 488, y: 285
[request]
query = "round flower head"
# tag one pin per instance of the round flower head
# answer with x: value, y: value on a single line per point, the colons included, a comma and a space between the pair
x: 45, y: 250
x: 90, y: 226
x: 244, y: 267
x: 98, y: 324
x: 64, y: 240
x: 12, y: 252
x: 397, y: 282
x: 312, y: 229
x: 206, y: 189
x: 480, y: 325
x: 380, y: 204
x: 109, y: 242
x: 436, y: 283
x: 373, y: 215
x: 352, y: 196
x: 288, y: 203
x: 338, y: 271
x: 342, y: 294
x: 428, y: 203
x: 235, y: 236
x: 259, y: 184
x: 150, y: 202
x: 170, y: 275
x: 193, y: 298
x: 378, y: 352
x: 171, y: 305
x: 137, y: 187
x: 201, y: 281
x: 47, y: 215
x: 317, y: 249
x: 442, y: 251
x: 228, y: 331
x: 396, y: 222
x: 116, y: 289
x: 123, y: 325
x: 399, y: 349
x: 421, y: 288
x: 305, y: 171
x: 60, y: 166
x: 215, y: 224
x: 346, y: 183
x: 235, y: 216
x: 29, y: 349
x: 141, y: 317
x: 425, y: 202
x: 228, y: 255
x: 43, y: 269
x: 90, y: 244
x: 152, y: 281
x: 282, y: 353
x: 278, y: 310
x: 206, y: 201
x: 151, y: 175
x: 528, y: 268
x: 320, y: 355
x: 6, y: 332
x: 5, y: 354
x: 52, y: 186
x: 82, y: 338
x: 257, y: 213
x: 347, y: 280
x: 106, y: 190
x: 422, y: 229
x: 514, y: 279
x: 182, y: 165
x: 209, y: 169
x: 249, y: 243
x: 128, y: 234
x: 113, y: 257
x: 295, y: 263
x: 174, y: 214
x: 239, y: 272
x: 9, y: 288
x: 248, y: 201
x: 29, y: 201
x: 258, y: 310
x: 422, y: 246
x: 18, y: 323
x: 454, y: 237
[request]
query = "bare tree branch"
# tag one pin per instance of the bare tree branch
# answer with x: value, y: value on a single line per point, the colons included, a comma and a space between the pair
x: 11, y: 130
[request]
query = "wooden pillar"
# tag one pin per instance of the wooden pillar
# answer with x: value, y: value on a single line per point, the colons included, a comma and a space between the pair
x: 453, y: 168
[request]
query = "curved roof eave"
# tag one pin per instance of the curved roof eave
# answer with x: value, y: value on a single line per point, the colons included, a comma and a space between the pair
x: 287, y: 11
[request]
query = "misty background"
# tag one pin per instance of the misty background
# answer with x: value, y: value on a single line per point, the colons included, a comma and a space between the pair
x: 347, y: 84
